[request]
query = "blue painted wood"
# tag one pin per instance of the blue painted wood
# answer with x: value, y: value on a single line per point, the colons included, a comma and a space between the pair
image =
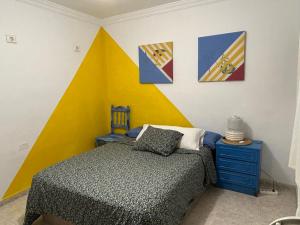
x: 238, y: 167
x: 235, y: 153
x: 238, y: 188
x: 237, y: 178
x: 101, y: 140
x: 120, y: 119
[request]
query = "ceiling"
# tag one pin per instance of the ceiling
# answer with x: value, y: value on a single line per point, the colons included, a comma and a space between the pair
x: 107, y: 8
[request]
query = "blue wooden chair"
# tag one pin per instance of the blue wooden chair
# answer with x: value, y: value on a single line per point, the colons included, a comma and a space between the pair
x: 120, y: 119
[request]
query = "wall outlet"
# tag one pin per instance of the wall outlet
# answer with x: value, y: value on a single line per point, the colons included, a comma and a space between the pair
x: 11, y: 38
x: 23, y: 147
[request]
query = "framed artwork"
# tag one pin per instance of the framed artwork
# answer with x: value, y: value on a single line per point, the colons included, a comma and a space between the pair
x: 156, y: 63
x: 221, y: 57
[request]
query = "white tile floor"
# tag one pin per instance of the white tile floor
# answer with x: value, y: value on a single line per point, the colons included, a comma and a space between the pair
x: 12, y: 213
x: 214, y: 207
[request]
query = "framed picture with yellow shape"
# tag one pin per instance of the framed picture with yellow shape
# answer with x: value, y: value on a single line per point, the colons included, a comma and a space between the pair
x: 222, y: 57
x: 156, y: 63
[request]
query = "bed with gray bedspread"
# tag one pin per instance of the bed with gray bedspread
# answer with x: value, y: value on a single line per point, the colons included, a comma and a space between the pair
x: 116, y: 185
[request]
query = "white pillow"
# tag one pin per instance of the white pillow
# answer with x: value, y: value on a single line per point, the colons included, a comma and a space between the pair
x: 190, y: 139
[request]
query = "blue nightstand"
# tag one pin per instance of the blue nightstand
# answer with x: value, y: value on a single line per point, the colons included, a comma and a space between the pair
x: 238, y: 167
x: 102, y: 140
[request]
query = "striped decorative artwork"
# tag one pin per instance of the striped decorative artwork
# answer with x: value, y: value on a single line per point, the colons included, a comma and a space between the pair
x: 221, y: 57
x: 156, y: 63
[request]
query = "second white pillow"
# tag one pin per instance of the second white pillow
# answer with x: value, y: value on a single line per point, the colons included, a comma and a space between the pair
x: 190, y: 139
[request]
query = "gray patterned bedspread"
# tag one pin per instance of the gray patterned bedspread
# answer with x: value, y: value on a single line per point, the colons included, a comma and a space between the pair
x: 115, y: 185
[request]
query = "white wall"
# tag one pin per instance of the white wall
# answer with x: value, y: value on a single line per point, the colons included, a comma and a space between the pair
x: 265, y: 100
x: 34, y: 73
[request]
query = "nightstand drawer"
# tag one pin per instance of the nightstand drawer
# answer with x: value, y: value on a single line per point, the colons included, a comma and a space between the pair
x: 238, y: 153
x: 237, y: 166
x: 237, y: 178
x: 238, y: 188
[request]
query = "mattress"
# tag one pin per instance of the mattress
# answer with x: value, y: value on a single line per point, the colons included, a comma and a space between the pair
x: 116, y: 185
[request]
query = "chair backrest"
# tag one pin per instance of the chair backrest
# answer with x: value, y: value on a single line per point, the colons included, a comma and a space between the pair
x: 120, y: 118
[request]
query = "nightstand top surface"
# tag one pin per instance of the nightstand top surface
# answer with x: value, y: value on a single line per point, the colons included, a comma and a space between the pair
x: 256, y: 144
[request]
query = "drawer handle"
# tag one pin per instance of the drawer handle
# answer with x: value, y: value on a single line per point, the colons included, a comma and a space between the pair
x: 237, y: 182
x: 222, y: 154
x: 245, y: 157
x: 238, y: 169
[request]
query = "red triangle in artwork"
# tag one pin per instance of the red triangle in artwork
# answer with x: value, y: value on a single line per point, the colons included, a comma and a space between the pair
x: 239, y: 74
x: 168, y: 68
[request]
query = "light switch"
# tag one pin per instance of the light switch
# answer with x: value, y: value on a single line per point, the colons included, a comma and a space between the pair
x: 11, y: 38
x: 77, y: 48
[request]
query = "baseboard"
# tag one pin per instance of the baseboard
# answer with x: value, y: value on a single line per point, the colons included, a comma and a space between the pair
x: 291, y: 186
x: 14, y: 197
x: 268, y: 184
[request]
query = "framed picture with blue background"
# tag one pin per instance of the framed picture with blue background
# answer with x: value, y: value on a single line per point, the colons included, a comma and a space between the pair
x: 221, y: 57
x: 156, y: 63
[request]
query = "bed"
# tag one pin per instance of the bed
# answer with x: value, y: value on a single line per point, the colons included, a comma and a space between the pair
x: 116, y: 185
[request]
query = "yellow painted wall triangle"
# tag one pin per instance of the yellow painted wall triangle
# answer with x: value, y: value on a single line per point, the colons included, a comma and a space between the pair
x: 147, y: 102
x: 106, y: 76
x: 75, y: 122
